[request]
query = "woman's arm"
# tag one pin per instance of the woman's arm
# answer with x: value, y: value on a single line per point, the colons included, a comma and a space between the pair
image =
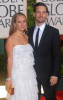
x: 9, y: 51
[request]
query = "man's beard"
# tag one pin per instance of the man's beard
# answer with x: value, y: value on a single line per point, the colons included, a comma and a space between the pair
x: 41, y: 21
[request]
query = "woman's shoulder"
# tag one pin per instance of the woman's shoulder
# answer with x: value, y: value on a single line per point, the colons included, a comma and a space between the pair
x: 9, y: 40
x: 11, y: 37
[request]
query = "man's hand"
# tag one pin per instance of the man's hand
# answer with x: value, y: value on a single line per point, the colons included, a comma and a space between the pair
x: 53, y: 80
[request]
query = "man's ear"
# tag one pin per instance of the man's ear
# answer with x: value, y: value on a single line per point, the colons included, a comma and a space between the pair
x: 47, y: 14
x: 33, y: 14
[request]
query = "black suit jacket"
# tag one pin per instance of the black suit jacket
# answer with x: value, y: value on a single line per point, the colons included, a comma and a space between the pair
x: 47, y: 56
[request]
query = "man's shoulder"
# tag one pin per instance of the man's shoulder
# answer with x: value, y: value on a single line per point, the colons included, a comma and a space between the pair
x: 30, y: 31
x: 51, y: 28
x: 30, y: 28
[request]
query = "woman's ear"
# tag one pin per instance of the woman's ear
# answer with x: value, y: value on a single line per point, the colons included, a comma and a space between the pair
x: 14, y: 26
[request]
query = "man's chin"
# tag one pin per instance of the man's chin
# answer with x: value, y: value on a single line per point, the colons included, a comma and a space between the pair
x: 41, y: 21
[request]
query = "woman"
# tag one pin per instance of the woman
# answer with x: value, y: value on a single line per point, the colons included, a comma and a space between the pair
x: 21, y: 74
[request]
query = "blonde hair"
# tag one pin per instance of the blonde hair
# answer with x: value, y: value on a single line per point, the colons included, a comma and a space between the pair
x: 12, y: 26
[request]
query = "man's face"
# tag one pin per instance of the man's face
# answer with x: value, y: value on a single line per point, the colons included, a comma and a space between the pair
x: 40, y: 14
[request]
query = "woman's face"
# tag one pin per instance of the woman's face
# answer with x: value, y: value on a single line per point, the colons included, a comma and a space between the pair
x: 21, y: 23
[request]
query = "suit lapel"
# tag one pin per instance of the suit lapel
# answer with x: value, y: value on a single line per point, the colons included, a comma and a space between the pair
x: 42, y: 38
x: 31, y: 39
x: 43, y: 35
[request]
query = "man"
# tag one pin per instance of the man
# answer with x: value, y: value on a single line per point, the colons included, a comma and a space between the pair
x: 46, y: 51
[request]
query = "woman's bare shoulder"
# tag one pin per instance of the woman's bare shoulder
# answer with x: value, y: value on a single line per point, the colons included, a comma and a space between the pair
x: 9, y: 41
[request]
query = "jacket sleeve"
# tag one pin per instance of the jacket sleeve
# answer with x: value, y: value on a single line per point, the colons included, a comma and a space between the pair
x: 56, y: 53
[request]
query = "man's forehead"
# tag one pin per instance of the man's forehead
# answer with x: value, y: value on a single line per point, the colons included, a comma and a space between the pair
x: 41, y: 8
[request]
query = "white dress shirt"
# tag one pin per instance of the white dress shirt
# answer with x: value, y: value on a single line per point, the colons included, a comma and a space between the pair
x: 40, y: 33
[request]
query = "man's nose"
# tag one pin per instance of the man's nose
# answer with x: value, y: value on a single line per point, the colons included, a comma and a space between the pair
x: 41, y: 14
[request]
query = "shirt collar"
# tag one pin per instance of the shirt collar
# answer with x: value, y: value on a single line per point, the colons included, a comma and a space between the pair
x: 41, y: 27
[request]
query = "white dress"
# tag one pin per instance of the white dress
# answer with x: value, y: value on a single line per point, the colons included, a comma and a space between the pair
x: 23, y: 74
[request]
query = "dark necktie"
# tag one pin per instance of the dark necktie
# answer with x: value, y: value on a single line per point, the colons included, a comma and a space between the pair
x: 36, y: 40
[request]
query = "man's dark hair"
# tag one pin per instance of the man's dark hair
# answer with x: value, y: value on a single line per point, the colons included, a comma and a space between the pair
x: 40, y: 4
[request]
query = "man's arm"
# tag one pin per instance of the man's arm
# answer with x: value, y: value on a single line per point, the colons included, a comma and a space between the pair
x: 56, y: 58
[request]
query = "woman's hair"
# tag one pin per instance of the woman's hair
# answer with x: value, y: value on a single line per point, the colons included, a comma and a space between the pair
x: 13, y: 21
